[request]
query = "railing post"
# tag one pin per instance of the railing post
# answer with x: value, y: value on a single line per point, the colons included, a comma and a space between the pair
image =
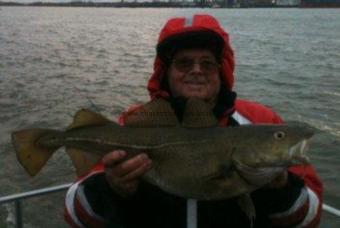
x: 191, y: 213
x: 18, y: 213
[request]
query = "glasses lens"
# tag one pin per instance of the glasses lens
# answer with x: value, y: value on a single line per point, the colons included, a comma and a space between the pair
x: 208, y: 66
x: 185, y: 65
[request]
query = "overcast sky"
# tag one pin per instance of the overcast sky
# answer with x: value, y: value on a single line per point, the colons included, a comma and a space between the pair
x: 26, y: 1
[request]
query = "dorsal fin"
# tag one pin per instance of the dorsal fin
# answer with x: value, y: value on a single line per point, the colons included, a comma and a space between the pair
x: 85, y: 117
x: 156, y: 113
x: 198, y: 114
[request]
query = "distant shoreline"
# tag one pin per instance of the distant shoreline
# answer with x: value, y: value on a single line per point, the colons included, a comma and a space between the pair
x: 101, y: 4
x: 140, y: 5
x: 162, y: 5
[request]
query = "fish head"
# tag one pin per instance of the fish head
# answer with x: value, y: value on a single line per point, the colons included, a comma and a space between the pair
x: 274, y: 145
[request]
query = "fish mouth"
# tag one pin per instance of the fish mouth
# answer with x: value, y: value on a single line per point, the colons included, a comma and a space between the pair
x: 297, y: 153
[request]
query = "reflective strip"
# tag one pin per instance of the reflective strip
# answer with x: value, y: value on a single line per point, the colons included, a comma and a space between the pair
x: 313, y: 208
x: 86, y: 206
x: 240, y: 119
x: 70, y: 196
x: 301, y: 200
x: 306, y: 194
x: 188, y: 21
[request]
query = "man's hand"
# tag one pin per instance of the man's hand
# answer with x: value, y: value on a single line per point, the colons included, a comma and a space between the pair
x: 123, y: 175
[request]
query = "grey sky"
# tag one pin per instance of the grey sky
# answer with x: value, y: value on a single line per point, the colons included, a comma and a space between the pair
x: 28, y: 1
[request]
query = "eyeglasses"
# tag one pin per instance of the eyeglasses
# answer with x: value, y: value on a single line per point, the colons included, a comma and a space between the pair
x: 187, y: 64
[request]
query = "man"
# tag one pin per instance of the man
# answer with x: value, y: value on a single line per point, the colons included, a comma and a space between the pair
x: 194, y: 59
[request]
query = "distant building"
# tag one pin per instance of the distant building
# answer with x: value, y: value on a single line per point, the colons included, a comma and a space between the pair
x: 320, y: 3
x: 257, y: 3
x: 288, y: 2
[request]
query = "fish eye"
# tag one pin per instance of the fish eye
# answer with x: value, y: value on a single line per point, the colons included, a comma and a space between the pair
x: 279, y: 135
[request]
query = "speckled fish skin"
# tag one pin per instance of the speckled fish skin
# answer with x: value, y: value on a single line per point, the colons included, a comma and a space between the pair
x: 202, y: 163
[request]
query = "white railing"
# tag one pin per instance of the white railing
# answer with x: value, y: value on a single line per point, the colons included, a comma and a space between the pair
x: 17, y: 198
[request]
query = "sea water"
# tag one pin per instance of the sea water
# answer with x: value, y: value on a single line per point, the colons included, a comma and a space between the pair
x: 54, y: 61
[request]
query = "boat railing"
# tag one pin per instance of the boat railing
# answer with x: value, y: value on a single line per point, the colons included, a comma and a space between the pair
x: 18, y: 198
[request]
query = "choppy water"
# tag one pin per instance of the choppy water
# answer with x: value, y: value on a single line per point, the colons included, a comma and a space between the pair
x: 54, y: 61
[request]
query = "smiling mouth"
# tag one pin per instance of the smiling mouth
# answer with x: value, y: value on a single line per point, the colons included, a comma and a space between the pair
x: 194, y: 83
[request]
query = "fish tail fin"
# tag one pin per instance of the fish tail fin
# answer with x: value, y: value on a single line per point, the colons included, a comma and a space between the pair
x: 30, y: 154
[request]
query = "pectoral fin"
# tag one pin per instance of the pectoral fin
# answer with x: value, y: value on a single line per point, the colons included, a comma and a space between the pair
x: 256, y: 176
x: 224, y: 171
x: 247, y: 206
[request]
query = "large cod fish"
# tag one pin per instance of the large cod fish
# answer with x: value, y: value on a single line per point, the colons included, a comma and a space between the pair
x: 196, y: 159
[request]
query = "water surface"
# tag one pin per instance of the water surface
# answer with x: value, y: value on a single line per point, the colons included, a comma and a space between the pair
x: 54, y: 61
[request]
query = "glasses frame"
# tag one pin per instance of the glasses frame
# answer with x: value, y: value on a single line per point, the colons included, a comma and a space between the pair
x: 185, y: 65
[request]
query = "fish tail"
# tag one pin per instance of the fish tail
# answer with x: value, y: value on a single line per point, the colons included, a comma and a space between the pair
x: 29, y: 150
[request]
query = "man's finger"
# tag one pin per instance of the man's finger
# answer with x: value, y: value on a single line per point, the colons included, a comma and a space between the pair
x: 112, y: 158
x: 137, y: 172
x: 130, y: 165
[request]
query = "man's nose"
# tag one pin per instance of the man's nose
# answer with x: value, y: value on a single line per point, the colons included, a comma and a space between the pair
x: 196, y: 67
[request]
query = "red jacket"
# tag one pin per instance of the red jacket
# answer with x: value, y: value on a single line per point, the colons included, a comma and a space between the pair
x: 298, y: 204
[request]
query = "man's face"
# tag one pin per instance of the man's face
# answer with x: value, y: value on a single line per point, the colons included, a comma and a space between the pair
x: 194, y: 73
